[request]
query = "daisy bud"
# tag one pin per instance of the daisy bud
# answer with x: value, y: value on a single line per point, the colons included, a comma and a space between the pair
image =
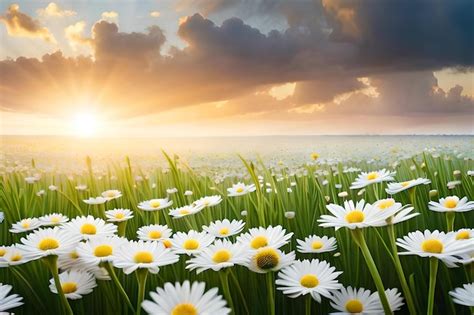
x: 289, y: 190
x: 243, y: 213
x: 343, y: 194
x: 433, y: 193
x: 423, y: 165
x: 457, y: 173
x: 413, y: 168
x: 337, y: 254
x: 361, y: 192
x: 188, y: 193
x: 338, y: 186
x: 327, y: 198
x: 289, y: 214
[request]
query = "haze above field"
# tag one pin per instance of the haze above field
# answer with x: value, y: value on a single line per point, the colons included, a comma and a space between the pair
x: 219, y: 68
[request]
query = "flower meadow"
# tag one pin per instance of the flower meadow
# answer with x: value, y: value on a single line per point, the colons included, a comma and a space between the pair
x: 319, y: 238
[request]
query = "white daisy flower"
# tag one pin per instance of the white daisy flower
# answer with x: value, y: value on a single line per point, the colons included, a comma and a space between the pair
x: 316, y: 244
x: 360, y: 215
x: 95, y: 201
x: 26, y: 225
x: 240, y: 189
x: 31, y: 179
x: 266, y: 259
x: 118, y: 215
x: 72, y: 261
x: 224, y: 228
x: 99, y: 249
x: 111, y: 194
x: 75, y: 283
x: 143, y: 255
x: 434, y: 244
x: 155, y: 204
x: 154, y: 232
x: 451, y: 203
x: 14, y: 256
x: 221, y: 254
x: 192, y: 242
x: 402, y: 213
x: 185, y: 211
x: 8, y: 302
x: 208, y: 201
x: 352, y: 301
x: 53, y: 219
x: 81, y: 187
x: 89, y: 227
x: 46, y: 242
x: 368, y: 178
x: 3, y: 251
x: 308, y: 277
x: 464, y: 295
x: 40, y: 193
x: 395, y: 188
x: 463, y: 234
x: 188, y: 193
x: 171, y: 191
x: 185, y: 299
x: 52, y: 187
x: 259, y: 237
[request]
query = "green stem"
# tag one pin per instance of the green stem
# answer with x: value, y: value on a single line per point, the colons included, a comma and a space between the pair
x: 308, y: 304
x: 141, y: 277
x: 239, y: 289
x: 110, y: 269
x: 224, y: 277
x: 399, y: 270
x: 431, y: 292
x: 271, y: 297
x: 359, y: 239
x: 121, y: 226
x: 450, y: 216
x: 52, y: 262
x: 411, y: 195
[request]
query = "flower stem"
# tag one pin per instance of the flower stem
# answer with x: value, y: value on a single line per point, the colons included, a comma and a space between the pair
x: 224, y: 277
x: 239, y: 289
x: 141, y: 277
x: 271, y: 298
x: 52, y: 262
x: 450, y: 216
x: 359, y: 239
x: 121, y: 226
x: 431, y: 292
x: 399, y: 270
x: 110, y: 269
x: 308, y: 304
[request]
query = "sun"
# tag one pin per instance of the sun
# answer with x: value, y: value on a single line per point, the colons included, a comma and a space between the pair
x: 85, y: 124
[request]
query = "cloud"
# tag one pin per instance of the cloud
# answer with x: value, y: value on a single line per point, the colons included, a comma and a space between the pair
x: 53, y: 10
x: 21, y: 25
x: 155, y: 14
x: 74, y: 35
x: 110, y: 16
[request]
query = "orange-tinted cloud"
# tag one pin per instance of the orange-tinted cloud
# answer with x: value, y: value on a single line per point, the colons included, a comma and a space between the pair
x: 53, y: 10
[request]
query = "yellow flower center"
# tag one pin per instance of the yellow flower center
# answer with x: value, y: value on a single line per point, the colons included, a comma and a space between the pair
x: 191, y: 244
x: 154, y: 203
x: 74, y: 255
x: 2, y: 252
x: 314, y: 156
x: 119, y: 215
x: 354, y: 306
x: 167, y: 244
x: 184, y: 309
x: 239, y: 190
x: 25, y: 225
x: 355, y: 216
x: 222, y: 255
x: 372, y: 175
x: 309, y: 281
x: 259, y: 241
x: 224, y: 231
x: 143, y: 257
x: 450, y: 203
x: 432, y: 246
x: 16, y: 257
x: 55, y: 219
x: 267, y: 258
x: 110, y: 194
x: 184, y: 211
x: 88, y: 229
x: 48, y: 243
x: 387, y: 203
x: 405, y: 184
x: 317, y: 245
x: 463, y: 235
x: 69, y: 287
x: 154, y: 234
x: 103, y: 251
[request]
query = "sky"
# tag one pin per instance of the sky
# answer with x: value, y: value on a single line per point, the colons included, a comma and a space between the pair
x: 236, y: 67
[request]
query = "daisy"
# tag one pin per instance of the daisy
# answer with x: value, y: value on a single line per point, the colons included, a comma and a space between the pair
x: 81, y: 187
x: 185, y: 210
x: 434, y: 244
x: 46, y: 242
x: 89, y: 227
x: 95, y: 201
x: 402, y: 213
x: 192, y: 242
x: 111, y: 194
x: 185, y: 299
x: 259, y: 237
x: 154, y: 232
x: 208, y: 201
x: 314, y: 277
x: 316, y: 244
x: 25, y: 225
x: 100, y: 249
x: 224, y: 228
x: 118, y: 215
x: 14, y: 256
x: 74, y: 283
x: 240, y: 189
x: 464, y: 295
x: 352, y: 216
x: 221, y: 254
x: 463, y: 234
x: 135, y: 255
x: 367, y: 178
x: 395, y: 188
x: 155, y: 204
x: 8, y: 301
x: 268, y: 259
x: 451, y: 203
x: 53, y: 219
x: 352, y: 301
x: 71, y: 260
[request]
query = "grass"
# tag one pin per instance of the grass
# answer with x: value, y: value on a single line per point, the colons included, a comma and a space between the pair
x: 18, y: 200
